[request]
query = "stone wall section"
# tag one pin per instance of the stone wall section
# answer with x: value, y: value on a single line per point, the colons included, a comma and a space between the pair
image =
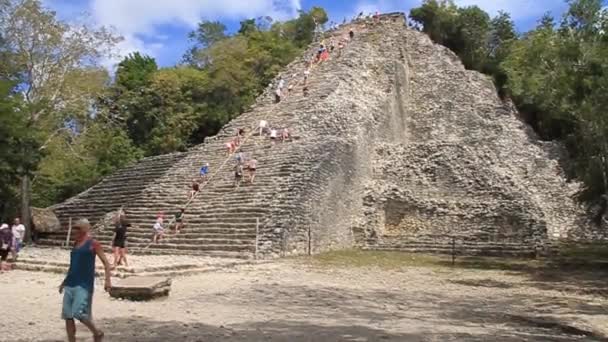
x: 469, y: 170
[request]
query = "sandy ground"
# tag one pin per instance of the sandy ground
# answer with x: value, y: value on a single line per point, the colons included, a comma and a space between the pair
x: 296, y: 300
x: 136, y: 262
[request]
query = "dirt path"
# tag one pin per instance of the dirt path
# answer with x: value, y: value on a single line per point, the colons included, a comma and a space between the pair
x: 294, y: 300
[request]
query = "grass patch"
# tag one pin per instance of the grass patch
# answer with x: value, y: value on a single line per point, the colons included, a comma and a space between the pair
x: 385, y: 260
x: 397, y: 260
x: 573, y: 260
x: 589, y: 252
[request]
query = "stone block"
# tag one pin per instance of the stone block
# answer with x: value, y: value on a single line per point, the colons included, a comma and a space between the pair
x: 141, y: 288
x: 45, y: 220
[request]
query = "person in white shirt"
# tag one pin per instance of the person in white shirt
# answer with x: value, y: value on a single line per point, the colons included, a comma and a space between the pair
x: 18, y: 235
x: 277, y: 95
x: 159, y: 230
x: 273, y: 135
x: 263, y: 125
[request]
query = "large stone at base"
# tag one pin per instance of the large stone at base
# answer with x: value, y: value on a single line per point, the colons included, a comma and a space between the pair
x: 141, y: 288
x: 45, y: 220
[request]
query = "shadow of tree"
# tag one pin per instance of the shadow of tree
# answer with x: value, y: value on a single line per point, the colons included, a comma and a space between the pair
x: 139, y: 329
x: 483, y: 283
x: 573, y: 276
x: 528, y: 318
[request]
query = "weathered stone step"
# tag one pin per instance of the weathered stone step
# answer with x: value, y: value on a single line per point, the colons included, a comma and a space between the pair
x: 171, y: 253
x: 184, y: 234
x: 195, y: 247
x: 252, y: 210
x: 445, y: 250
x: 448, y: 241
x: 176, y: 239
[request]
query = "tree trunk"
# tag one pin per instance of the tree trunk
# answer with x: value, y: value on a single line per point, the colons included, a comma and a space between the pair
x: 26, y: 217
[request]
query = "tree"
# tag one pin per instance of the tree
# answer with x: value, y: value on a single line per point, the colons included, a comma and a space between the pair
x: 502, y: 36
x: 125, y: 100
x: 559, y: 76
x: 177, y: 98
x: 134, y: 71
x: 438, y: 19
x: 471, y: 36
x: 18, y: 150
x: 206, y: 34
x: 248, y: 26
x: 57, y: 72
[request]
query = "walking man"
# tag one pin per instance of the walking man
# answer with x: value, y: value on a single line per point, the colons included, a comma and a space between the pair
x: 78, y: 285
x: 18, y: 234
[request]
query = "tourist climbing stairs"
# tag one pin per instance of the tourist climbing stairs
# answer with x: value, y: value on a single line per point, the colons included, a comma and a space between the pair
x: 221, y: 220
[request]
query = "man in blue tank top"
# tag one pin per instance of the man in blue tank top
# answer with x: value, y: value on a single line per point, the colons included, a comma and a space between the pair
x: 79, y: 282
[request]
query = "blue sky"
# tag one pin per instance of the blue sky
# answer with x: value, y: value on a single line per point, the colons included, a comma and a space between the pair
x: 159, y: 27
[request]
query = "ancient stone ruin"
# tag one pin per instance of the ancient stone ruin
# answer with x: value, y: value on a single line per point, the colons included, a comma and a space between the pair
x: 141, y: 288
x: 396, y: 146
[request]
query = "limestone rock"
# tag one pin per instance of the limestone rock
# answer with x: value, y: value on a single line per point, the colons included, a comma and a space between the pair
x: 45, y: 220
x: 141, y: 288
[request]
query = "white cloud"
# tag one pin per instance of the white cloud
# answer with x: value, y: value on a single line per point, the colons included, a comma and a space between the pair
x: 138, y: 19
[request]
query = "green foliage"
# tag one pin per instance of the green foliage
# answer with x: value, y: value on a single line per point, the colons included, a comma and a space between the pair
x: 438, y: 18
x: 50, y: 83
x: 502, y: 36
x: 18, y: 150
x: 169, y: 109
x: 471, y: 36
x: 134, y: 72
x: 176, y: 96
x: 96, y: 152
x: 74, y: 125
x: 465, y: 30
x: 206, y: 34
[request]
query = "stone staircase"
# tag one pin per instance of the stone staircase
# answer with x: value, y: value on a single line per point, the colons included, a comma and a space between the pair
x: 222, y: 220
x: 113, y: 192
x: 57, y: 261
x: 436, y: 244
